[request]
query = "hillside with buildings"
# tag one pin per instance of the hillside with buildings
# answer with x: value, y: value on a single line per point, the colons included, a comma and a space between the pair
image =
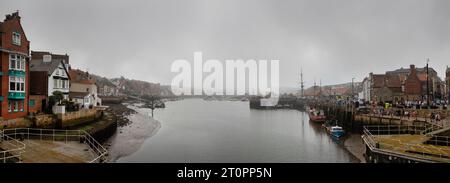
x: 139, y: 88
x: 342, y: 90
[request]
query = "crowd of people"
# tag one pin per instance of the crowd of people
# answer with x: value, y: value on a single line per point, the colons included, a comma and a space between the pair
x: 399, y: 109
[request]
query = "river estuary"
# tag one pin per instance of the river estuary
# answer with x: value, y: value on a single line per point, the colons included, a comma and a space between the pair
x: 195, y: 130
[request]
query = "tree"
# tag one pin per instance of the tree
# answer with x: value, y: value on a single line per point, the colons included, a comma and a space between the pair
x: 151, y: 100
x: 55, y: 98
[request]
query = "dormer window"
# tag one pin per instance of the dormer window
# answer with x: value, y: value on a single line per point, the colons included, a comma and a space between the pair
x: 16, y: 38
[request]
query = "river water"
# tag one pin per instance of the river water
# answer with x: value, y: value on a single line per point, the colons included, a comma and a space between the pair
x: 195, y: 130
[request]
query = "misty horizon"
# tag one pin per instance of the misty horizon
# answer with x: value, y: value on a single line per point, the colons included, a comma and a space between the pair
x: 326, y: 39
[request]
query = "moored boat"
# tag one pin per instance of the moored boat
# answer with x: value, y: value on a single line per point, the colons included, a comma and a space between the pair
x: 334, y: 130
x: 337, y: 131
x: 317, y: 116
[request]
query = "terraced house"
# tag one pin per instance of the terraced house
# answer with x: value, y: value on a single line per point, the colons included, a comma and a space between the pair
x: 14, y: 68
x: 83, y: 89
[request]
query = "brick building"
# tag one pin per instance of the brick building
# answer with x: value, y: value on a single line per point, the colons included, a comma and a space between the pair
x: 413, y: 85
x: 403, y: 85
x: 436, y: 88
x: 14, y: 68
x: 384, y: 87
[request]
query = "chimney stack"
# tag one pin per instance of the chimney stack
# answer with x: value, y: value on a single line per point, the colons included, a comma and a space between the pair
x: 12, y: 16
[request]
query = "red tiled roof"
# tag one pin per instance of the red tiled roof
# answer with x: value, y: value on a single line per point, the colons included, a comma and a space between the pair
x: 78, y: 76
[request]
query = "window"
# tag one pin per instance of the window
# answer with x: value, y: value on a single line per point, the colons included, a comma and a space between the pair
x: 32, y: 102
x: 22, y: 84
x: 16, y: 84
x: 16, y: 38
x: 17, y: 62
x: 12, y: 61
x: 64, y: 84
x: 57, y: 72
x: 21, y: 106
x: 22, y: 65
x: 16, y: 106
x: 12, y: 83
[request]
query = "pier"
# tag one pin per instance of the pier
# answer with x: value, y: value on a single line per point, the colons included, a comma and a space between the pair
x: 387, y: 138
x: 404, y: 144
x: 391, y: 138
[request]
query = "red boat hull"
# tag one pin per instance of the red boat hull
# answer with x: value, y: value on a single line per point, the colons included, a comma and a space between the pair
x: 317, y: 118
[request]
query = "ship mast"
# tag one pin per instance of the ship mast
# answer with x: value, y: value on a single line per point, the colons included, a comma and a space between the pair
x: 314, y: 88
x: 320, y: 87
x: 301, y: 83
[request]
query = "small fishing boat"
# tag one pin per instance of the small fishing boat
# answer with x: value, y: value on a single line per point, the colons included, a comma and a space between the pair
x: 337, y: 131
x: 317, y: 116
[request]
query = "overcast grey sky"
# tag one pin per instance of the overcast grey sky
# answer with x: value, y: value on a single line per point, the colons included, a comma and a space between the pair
x: 332, y: 40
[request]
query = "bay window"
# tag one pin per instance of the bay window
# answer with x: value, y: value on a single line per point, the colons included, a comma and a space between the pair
x: 16, y: 84
x: 17, y: 62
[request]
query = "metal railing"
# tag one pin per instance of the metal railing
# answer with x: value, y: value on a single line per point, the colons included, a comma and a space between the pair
x: 10, y: 149
x: 60, y: 135
x: 429, y: 150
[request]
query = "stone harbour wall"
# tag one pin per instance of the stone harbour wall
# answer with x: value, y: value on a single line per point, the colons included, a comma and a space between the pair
x: 76, y: 118
x: 15, y: 123
x: 44, y: 121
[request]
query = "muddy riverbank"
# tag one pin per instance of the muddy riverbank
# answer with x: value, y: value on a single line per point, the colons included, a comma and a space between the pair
x: 136, y: 126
